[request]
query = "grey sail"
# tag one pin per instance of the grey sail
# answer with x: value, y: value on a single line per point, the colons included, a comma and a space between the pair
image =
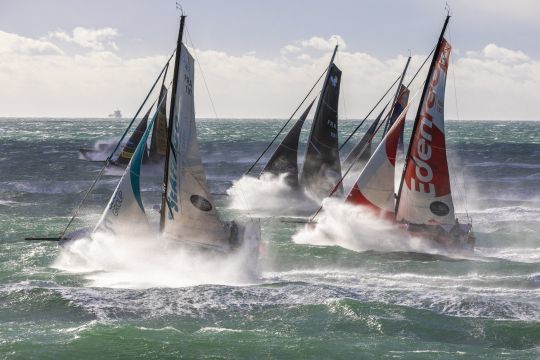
x: 361, y: 152
x: 285, y: 159
x: 321, y: 170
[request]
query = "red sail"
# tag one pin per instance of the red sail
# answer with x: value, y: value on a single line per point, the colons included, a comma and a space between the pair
x: 374, y: 188
x: 426, y: 197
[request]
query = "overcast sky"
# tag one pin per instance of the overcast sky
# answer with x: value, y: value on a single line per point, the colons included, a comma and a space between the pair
x: 73, y: 58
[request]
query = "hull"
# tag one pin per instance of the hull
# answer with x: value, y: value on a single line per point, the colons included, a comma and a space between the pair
x: 458, y: 238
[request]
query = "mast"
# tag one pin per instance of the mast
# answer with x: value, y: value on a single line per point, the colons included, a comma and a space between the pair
x: 169, y: 129
x: 417, y: 118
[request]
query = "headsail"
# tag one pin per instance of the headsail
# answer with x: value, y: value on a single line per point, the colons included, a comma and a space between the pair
x: 375, y: 185
x: 189, y: 214
x: 133, y: 142
x: 125, y: 213
x: 361, y: 152
x: 425, y: 196
x: 321, y: 170
x: 285, y: 158
x: 401, y: 102
x: 158, y: 142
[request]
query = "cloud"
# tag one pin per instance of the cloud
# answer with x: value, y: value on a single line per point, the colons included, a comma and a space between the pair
x: 15, y: 44
x: 320, y: 43
x: 96, y: 39
x: 492, y: 51
x: 491, y: 82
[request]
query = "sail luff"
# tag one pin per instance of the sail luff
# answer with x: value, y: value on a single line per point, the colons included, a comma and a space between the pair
x: 417, y: 118
x: 164, y: 205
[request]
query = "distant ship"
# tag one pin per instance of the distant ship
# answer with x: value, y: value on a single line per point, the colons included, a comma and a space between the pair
x: 116, y: 114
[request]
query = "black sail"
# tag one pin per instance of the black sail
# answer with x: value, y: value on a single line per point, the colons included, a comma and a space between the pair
x: 158, y: 142
x: 134, y: 139
x: 285, y: 158
x: 321, y: 170
x: 361, y: 152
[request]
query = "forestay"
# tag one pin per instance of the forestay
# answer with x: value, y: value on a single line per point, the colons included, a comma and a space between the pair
x: 124, y: 214
x: 426, y: 196
x: 190, y: 215
x: 361, y: 152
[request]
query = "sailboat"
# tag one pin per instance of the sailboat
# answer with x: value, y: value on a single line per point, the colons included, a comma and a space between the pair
x: 423, y: 206
x: 188, y: 215
x: 321, y: 169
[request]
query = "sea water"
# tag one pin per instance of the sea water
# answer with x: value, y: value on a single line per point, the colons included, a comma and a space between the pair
x: 310, y: 299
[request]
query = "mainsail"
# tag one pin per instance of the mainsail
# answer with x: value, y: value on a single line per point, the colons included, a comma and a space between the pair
x: 133, y: 142
x: 321, y: 170
x: 189, y: 214
x: 158, y: 142
x: 361, y: 152
x: 285, y: 159
x: 425, y: 196
x: 124, y: 213
x: 375, y: 185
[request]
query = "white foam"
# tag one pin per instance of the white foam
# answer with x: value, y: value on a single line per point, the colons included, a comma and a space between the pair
x: 355, y: 228
x: 121, y: 262
x: 269, y: 195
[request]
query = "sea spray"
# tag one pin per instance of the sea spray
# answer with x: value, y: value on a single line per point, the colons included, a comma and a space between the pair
x: 356, y: 228
x: 269, y: 195
x: 147, y: 262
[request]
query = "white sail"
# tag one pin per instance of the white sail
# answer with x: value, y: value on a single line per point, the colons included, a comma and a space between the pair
x: 190, y: 215
x: 426, y: 197
x: 124, y: 214
x: 374, y: 188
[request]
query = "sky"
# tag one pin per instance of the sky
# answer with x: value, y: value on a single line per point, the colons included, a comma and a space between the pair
x: 73, y: 58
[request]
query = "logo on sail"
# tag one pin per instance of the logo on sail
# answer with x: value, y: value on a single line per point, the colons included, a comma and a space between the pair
x: 333, y: 80
x: 116, y: 203
x: 200, y: 203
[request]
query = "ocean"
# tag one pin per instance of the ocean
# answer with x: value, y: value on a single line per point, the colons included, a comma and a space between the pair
x: 373, y: 300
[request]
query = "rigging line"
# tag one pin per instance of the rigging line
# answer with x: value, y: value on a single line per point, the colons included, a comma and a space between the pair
x: 140, y: 107
x: 372, y: 109
x: 202, y: 75
x: 286, y: 123
x: 344, y: 102
x: 403, y: 113
x: 89, y: 191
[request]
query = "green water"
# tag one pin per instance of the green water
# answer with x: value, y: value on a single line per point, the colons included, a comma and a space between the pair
x: 308, y: 301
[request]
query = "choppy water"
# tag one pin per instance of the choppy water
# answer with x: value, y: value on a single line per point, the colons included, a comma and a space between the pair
x: 310, y: 301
